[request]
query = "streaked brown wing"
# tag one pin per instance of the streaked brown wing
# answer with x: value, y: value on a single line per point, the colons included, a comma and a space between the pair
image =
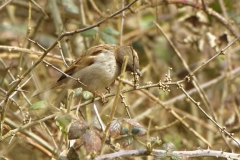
x: 86, y: 60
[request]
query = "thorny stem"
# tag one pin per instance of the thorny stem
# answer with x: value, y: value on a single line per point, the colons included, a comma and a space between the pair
x: 222, y: 129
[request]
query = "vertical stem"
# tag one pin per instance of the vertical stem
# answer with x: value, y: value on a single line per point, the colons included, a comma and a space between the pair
x: 122, y: 24
x: 114, y: 108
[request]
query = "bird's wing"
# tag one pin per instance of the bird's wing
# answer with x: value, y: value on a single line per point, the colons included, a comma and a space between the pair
x: 85, y: 60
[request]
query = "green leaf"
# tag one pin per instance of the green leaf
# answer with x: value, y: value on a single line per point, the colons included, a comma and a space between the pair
x: 38, y: 105
x: 96, y: 124
x: 61, y: 128
x: 139, y: 131
x: 107, y: 38
x: 87, y: 95
x: 89, y: 33
x: 77, y: 92
x: 41, y: 109
x: 69, y: 6
x: 38, y: 110
x: 111, y: 31
x: 62, y: 121
x: 126, y: 141
x: 105, y: 118
x: 124, y: 131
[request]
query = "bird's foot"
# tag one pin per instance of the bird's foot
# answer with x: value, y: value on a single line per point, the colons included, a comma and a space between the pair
x: 102, y: 97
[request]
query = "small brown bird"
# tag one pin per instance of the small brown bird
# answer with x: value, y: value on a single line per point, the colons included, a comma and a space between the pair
x: 97, y: 68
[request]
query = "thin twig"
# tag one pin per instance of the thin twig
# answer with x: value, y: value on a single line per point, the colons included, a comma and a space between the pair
x: 235, y: 72
x: 196, y: 84
x: 5, y: 4
x: 40, y: 8
x: 98, y: 117
x: 122, y: 25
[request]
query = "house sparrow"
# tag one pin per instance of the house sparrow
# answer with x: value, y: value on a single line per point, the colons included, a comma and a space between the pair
x: 98, y: 67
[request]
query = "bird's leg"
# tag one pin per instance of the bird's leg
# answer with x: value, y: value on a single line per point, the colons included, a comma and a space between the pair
x: 108, y: 90
x: 102, y: 97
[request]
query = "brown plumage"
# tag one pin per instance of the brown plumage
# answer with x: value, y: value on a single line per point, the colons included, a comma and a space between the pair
x: 98, y: 67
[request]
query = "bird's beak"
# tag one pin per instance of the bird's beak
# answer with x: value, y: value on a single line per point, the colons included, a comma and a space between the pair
x: 138, y: 72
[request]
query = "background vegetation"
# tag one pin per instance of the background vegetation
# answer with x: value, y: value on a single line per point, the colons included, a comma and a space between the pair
x: 187, y: 96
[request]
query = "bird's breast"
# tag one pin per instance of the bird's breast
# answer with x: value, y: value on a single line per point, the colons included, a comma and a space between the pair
x: 101, y: 73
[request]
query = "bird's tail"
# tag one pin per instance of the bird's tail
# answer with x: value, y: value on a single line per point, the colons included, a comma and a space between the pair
x: 45, y: 89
